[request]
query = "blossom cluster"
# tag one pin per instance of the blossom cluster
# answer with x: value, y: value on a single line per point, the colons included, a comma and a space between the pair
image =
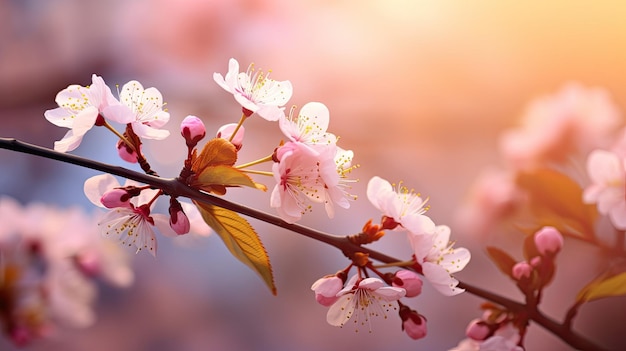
x: 50, y: 262
x: 434, y: 257
x: 308, y: 167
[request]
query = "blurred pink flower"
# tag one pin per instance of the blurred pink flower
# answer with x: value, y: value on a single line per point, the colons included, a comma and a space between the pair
x: 255, y: 91
x: 491, y: 197
x: 574, y: 120
x: 48, y: 259
x: 607, y: 172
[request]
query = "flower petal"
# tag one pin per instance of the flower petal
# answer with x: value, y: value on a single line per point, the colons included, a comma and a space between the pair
x: 96, y: 186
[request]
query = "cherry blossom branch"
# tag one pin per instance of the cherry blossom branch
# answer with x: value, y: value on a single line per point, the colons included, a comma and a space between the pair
x: 173, y: 186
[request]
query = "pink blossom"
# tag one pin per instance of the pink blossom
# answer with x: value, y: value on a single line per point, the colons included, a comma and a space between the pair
x: 79, y: 108
x: 403, y: 205
x: 130, y: 225
x: 438, y: 259
x: 310, y: 126
x: 361, y: 299
x: 255, y: 91
x: 303, y: 178
x: 143, y: 109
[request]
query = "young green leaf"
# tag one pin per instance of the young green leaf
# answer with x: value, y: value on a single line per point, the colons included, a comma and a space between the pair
x: 240, y: 239
x: 606, y: 285
x: 502, y: 260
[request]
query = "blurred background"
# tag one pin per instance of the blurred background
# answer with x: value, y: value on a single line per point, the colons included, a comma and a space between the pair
x: 420, y: 90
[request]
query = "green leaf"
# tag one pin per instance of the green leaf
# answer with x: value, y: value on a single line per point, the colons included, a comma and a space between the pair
x: 606, y: 285
x: 240, y: 239
x: 223, y: 175
x: 503, y: 260
x: 556, y: 200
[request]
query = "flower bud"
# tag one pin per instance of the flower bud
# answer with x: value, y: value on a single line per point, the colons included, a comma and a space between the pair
x: 548, y: 241
x: 477, y: 330
x: 326, y: 289
x: 522, y: 270
x: 88, y: 263
x: 117, y: 197
x: 178, y: 219
x: 389, y: 223
x: 193, y: 130
x: 127, y: 154
x: 409, y: 281
x: 413, y: 323
x: 226, y: 131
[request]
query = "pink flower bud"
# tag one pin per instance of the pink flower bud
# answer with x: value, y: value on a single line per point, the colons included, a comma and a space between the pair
x: 413, y: 323
x: 409, y: 281
x: 179, y: 221
x: 548, y: 241
x: 226, y: 131
x: 477, y: 330
x: 193, y: 130
x: 126, y: 153
x: 88, y: 263
x: 20, y: 336
x: 117, y: 197
x: 326, y: 289
x: 535, y: 261
x: 522, y: 270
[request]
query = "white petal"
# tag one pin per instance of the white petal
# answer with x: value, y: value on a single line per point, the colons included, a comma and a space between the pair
x: 162, y: 222
x: 339, y: 312
x: 376, y: 188
x: 421, y: 245
x: 390, y: 293
x: 96, y: 186
x: 440, y: 279
x: 456, y: 260
x: 144, y: 130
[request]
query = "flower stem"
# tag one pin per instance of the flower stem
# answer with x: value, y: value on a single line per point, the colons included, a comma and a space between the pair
x: 243, y: 118
x: 119, y: 135
x: 261, y: 160
x: 175, y: 187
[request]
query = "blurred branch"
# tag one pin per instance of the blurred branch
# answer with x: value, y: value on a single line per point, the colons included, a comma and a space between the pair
x: 173, y: 186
